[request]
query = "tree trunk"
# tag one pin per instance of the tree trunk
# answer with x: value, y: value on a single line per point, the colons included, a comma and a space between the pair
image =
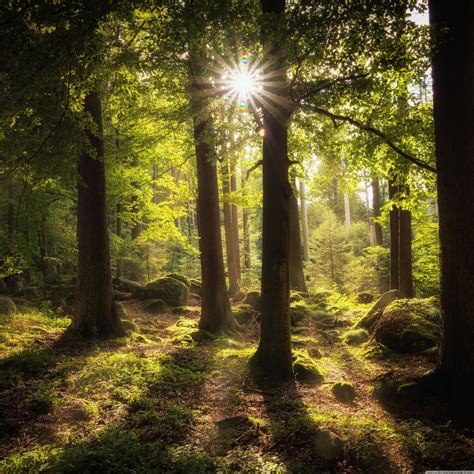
x: 273, y: 356
x: 216, y: 314
x: 95, y: 311
x: 347, y: 211
x: 304, y: 222
x: 246, y: 231
x: 453, y: 79
x: 235, y: 222
x: 376, y: 211
x: 229, y: 233
x: 404, y: 252
x: 297, y: 281
x: 393, y: 190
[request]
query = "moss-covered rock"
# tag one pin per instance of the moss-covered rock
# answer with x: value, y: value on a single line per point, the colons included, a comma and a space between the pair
x: 155, y: 306
x: 365, y: 297
x: 329, y: 445
x: 355, y: 337
x: 370, y: 319
x: 179, y: 277
x: 254, y: 299
x: 130, y: 326
x: 343, y: 391
x: 195, y: 286
x: 409, y: 325
x: 307, y: 372
x: 121, y: 311
x: 173, y: 292
x: 298, y: 311
x: 244, y: 313
x: 7, y: 306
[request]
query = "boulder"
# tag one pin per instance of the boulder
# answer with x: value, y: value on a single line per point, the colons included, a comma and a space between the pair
x: 409, y: 325
x: 365, y: 297
x: 195, y: 286
x: 307, y: 372
x: 173, y: 292
x: 254, y: 299
x: 7, y: 306
x: 244, y: 313
x: 329, y: 445
x: 343, y: 391
x: 122, y: 296
x: 155, y: 306
x: 180, y: 277
x: 355, y: 337
x: 370, y: 319
x: 127, y: 286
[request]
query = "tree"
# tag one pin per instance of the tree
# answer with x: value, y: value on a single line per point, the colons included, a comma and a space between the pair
x: 453, y: 94
x: 273, y: 356
x: 304, y: 221
x: 376, y: 211
x: 295, y: 262
x: 95, y: 312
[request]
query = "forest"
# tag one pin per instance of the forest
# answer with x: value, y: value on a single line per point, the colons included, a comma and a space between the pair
x: 236, y: 236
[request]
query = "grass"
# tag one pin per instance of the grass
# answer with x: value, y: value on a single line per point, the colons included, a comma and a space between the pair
x: 151, y: 402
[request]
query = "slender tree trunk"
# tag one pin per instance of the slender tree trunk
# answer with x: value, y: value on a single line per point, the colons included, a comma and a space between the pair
x: 297, y: 281
x: 404, y: 252
x: 95, y: 311
x: 235, y: 222
x: 304, y: 222
x: 376, y: 211
x: 453, y: 79
x: 216, y: 314
x: 246, y: 231
x: 273, y: 356
x: 393, y: 190
x: 229, y: 233
x: 347, y: 211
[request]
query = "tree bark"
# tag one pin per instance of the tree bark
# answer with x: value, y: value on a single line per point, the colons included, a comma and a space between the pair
x: 229, y: 233
x: 347, y: 210
x: 376, y: 211
x: 95, y: 311
x: 453, y: 79
x: 273, y: 356
x: 393, y: 190
x: 246, y: 230
x: 304, y: 222
x: 404, y: 252
x: 216, y: 314
x: 297, y: 281
x: 235, y: 222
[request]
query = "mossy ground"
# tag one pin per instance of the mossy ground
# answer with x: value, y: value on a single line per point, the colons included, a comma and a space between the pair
x: 151, y: 402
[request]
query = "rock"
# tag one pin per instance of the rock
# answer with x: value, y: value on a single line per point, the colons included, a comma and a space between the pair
x: 344, y: 392
x: 370, y: 319
x: 173, y: 292
x: 121, y: 311
x: 365, y: 297
x: 180, y: 278
x: 307, y: 372
x: 329, y: 445
x: 156, y: 306
x: 127, y: 286
x: 244, y: 313
x: 7, y: 306
x: 355, y: 337
x: 233, y: 422
x: 409, y: 325
x: 298, y: 311
x: 254, y: 299
x: 122, y: 296
x: 130, y: 326
x: 195, y: 286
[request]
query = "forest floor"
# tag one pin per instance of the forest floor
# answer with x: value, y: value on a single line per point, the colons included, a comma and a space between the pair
x: 170, y: 398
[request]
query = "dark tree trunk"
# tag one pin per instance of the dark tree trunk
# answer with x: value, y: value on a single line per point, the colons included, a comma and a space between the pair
x: 246, y: 230
x: 95, y: 311
x: 376, y: 212
x: 297, y: 281
x: 235, y: 222
x: 216, y: 314
x: 229, y: 233
x: 273, y: 356
x: 404, y: 251
x: 453, y: 79
x: 304, y: 222
x: 118, y: 231
x: 393, y: 190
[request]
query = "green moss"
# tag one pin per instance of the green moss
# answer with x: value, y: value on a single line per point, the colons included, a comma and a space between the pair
x: 343, y: 391
x: 173, y: 292
x: 355, y: 337
x: 180, y: 278
x: 306, y: 370
x: 244, y: 313
x: 130, y: 326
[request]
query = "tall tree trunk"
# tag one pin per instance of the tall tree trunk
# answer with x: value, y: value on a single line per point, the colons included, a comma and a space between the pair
x: 453, y: 79
x: 273, y: 356
x: 118, y: 232
x: 376, y: 211
x: 246, y: 231
x: 347, y: 210
x: 235, y: 222
x: 95, y: 311
x: 404, y: 251
x: 216, y: 314
x: 229, y: 233
x: 393, y: 190
x: 304, y: 222
x: 297, y: 281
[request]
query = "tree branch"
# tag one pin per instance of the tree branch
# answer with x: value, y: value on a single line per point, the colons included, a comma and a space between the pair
x: 252, y: 168
x: 343, y: 118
